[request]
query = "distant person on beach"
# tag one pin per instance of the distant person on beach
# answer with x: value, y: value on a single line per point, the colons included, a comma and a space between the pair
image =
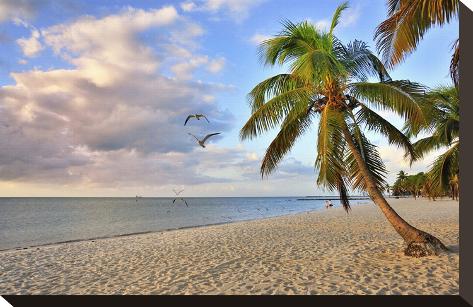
x: 326, y: 204
x: 330, y: 203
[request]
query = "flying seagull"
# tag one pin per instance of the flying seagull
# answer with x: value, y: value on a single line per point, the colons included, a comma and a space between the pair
x: 178, y: 192
x: 202, y: 142
x: 182, y: 199
x: 197, y: 116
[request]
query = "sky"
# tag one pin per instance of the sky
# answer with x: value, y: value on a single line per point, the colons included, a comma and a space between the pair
x: 94, y: 94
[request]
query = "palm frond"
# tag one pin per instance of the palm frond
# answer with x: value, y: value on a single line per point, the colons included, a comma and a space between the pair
x: 441, y: 111
x: 372, y: 160
x: 330, y: 149
x: 455, y: 63
x: 270, y: 114
x: 400, y: 34
x: 444, y: 167
x: 295, y: 124
x: 442, y: 114
x: 272, y: 87
x: 427, y: 144
x: 308, y: 51
x: 293, y: 41
x: 377, y: 123
x: 393, y: 6
x: 336, y: 16
x: 343, y: 192
x: 360, y: 61
x: 317, y: 65
x: 399, y: 96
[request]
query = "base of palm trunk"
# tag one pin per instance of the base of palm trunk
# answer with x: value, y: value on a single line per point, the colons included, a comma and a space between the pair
x: 427, y: 245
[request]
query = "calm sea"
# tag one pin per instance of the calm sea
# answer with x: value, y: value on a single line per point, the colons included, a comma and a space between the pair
x: 28, y: 222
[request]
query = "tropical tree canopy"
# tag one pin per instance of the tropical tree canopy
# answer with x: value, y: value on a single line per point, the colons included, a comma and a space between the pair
x: 339, y: 86
x: 443, y: 126
x: 407, y: 22
x: 409, y: 184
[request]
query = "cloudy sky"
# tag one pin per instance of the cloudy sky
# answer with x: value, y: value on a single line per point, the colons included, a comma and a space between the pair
x: 93, y: 95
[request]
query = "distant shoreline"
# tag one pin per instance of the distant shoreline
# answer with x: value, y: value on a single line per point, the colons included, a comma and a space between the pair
x: 155, y: 231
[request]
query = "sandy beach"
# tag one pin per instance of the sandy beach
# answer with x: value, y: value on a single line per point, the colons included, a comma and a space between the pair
x: 323, y: 252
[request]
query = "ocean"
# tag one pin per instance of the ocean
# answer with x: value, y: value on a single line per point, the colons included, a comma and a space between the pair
x: 27, y: 222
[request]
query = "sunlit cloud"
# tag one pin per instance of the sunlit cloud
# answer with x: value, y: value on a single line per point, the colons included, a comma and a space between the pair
x: 31, y: 46
x: 258, y: 38
x: 238, y: 10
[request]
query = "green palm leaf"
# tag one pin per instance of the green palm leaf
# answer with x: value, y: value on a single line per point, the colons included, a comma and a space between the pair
x: 270, y: 114
x: 372, y: 159
x: 330, y: 149
x: 377, y: 123
x: 427, y: 144
x: 336, y: 17
x: 271, y: 87
x: 360, y: 61
x: 295, y: 124
x: 444, y: 167
x: 409, y: 20
x: 400, y: 97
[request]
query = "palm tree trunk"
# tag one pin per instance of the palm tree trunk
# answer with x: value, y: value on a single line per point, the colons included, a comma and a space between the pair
x: 419, y: 243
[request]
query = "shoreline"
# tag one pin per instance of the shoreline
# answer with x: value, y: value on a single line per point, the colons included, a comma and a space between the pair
x: 317, y: 252
x: 160, y: 231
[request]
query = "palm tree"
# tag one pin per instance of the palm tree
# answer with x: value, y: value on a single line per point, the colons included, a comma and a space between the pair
x: 443, y: 124
x: 388, y: 189
x: 400, y: 184
x: 414, y: 184
x: 408, y: 21
x: 427, y: 190
x: 329, y: 80
x: 401, y: 175
x: 454, y: 186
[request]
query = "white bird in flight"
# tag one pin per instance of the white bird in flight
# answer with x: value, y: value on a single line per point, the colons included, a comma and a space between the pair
x: 202, y: 142
x: 197, y: 116
x: 178, y: 192
x: 182, y: 199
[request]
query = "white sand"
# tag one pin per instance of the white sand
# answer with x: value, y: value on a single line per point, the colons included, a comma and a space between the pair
x: 326, y: 252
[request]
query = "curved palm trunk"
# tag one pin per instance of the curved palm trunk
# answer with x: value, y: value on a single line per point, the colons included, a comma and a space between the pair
x: 419, y: 243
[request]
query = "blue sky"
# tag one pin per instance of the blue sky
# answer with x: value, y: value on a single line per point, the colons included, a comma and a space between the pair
x: 93, y: 94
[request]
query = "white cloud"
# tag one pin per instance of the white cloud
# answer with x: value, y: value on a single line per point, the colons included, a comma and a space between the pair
x: 350, y: 16
x: 185, y: 69
x: 208, y: 98
x: 252, y: 156
x: 323, y: 25
x: 216, y: 65
x: 393, y: 157
x: 10, y: 9
x: 258, y: 38
x: 109, y: 44
x: 31, y: 46
x: 113, y: 121
x: 235, y: 9
x: 113, y: 118
x: 188, y: 6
